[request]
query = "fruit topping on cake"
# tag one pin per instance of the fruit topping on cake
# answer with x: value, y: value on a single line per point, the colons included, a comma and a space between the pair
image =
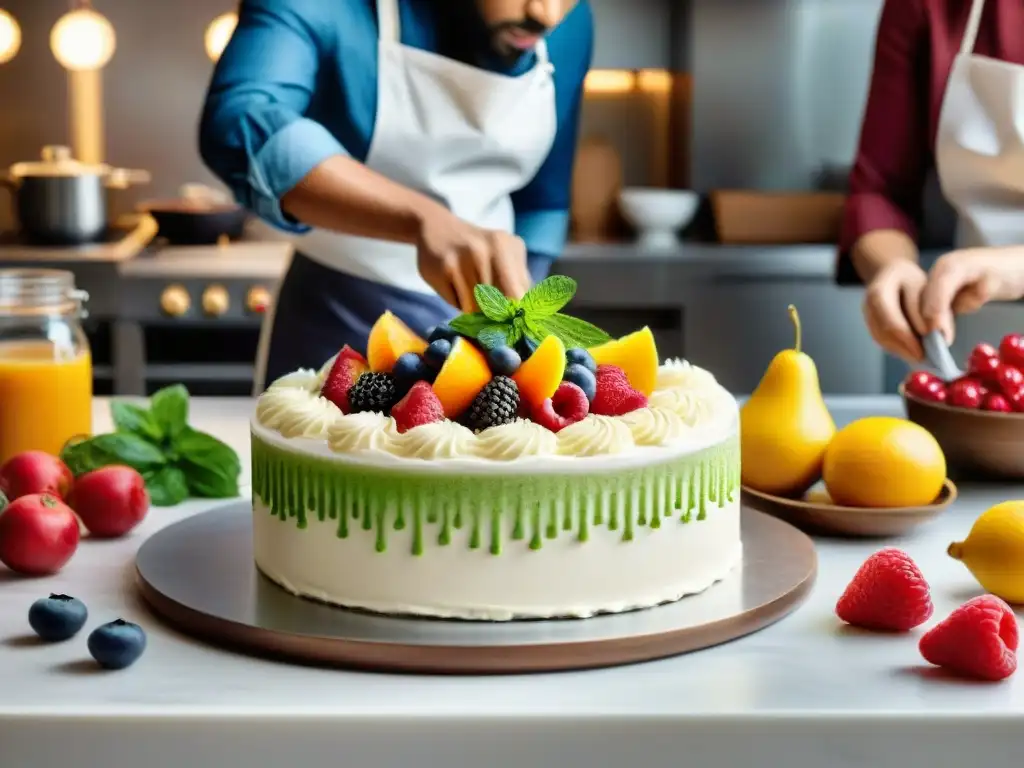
x: 389, y: 339
x: 410, y: 368
x: 538, y: 378
x: 461, y: 378
x: 567, y: 406
x: 615, y: 395
x: 374, y: 392
x: 636, y: 354
x: 504, y: 360
x: 583, y: 377
x: 348, y: 367
x: 497, y: 404
x: 420, y: 406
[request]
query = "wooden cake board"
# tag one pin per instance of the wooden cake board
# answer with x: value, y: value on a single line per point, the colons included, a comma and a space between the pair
x: 199, y: 576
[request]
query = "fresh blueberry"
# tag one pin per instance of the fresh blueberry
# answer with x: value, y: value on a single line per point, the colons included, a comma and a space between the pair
x: 410, y: 368
x: 526, y: 347
x: 437, y: 352
x: 577, y: 356
x: 504, y: 361
x: 57, y: 617
x: 442, y: 331
x: 118, y: 644
x: 582, y: 378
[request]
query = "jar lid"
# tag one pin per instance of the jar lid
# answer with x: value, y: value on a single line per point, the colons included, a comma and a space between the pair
x: 57, y: 161
x: 39, y: 291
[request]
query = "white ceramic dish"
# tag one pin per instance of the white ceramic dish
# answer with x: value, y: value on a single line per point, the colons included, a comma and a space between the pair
x: 658, y: 215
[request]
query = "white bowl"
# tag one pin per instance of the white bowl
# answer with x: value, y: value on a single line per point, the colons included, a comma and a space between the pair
x: 658, y: 214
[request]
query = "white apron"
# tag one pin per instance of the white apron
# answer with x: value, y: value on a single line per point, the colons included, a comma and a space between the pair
x: 980, y: 162
x: 462, y: 135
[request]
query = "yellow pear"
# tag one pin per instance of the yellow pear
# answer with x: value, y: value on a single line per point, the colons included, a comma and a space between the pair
x: 785, y: 426
x: 994, y: 551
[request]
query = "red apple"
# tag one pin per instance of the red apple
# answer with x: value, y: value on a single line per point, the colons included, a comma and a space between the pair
x: 35, y: 472
x: 110, y: 501
x: 1010, y: 380
x: 38, y: 535
x: 997, y: 403
x: 1011, y: 350
x: 964, y: 393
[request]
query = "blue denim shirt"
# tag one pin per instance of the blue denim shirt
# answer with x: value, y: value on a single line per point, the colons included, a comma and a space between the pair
x: 298, y: 84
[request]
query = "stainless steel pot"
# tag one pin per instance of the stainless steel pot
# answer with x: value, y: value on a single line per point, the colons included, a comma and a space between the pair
x: 61, y: 201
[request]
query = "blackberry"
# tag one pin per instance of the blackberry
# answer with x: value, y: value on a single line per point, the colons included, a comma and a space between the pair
x: 373, y: 392
x: 497, y: 404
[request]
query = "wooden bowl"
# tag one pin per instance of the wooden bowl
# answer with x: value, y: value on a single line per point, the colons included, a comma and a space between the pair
x: 981, y: 442
x: 818, y: 514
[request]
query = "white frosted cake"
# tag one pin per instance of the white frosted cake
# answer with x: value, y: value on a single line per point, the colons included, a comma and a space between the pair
x: 449, y: 478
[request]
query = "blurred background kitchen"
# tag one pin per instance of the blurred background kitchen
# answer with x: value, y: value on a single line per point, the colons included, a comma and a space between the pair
x: 716, y: 141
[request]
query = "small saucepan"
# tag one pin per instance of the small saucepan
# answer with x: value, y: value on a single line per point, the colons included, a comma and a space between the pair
x: 61, y: 201
x: 198, y: 217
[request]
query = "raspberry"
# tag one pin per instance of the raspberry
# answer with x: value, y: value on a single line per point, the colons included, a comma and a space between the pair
x: 979, y: 639
x: 348, y: 367
x: 497, y: 404
x: 373, y: 392
x: 888, y: 593
x: 615, y: 396
x: 568, y: 405
x: 420, y: 406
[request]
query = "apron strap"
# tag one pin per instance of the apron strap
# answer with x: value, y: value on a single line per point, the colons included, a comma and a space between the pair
x: 389, y: 23
x: 973, y: 25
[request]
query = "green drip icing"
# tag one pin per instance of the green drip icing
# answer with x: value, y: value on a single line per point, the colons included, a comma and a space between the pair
x: 495, y: 531
x: 535, y: 539
x: 552, y: 527
x: 417, y: 532
x: 444, y: 538
x: 474, y: 536
x: 583, y: 533
x: 519, y: 526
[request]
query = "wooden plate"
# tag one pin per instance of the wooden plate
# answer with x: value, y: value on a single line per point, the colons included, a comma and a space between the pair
x: 816, y: 512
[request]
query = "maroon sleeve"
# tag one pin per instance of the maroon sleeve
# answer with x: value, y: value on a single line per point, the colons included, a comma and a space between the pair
x: 887, y: 180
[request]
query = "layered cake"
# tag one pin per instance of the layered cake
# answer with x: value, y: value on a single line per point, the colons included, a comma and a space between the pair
x: 516, y: 464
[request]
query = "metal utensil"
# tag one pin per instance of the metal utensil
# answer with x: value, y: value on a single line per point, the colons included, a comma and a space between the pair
x: 939, y: 357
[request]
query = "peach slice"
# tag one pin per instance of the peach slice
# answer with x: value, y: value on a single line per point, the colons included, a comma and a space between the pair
x: 389, y: 339
x: 636, y: 354
x: 539, y: 376
x: 464, y: 374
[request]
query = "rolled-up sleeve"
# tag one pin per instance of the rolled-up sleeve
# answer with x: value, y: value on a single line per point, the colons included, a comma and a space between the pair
x: 254, y: 134
x: 894, y: 154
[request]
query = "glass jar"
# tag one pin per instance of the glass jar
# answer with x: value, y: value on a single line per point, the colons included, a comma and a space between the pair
x: 45, y: 362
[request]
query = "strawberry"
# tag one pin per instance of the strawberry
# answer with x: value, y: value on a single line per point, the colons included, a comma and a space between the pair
x: 568, y: 405
x: 615, y: 396
x: 420, y: 406
x: 887, y: 593
x: 979, y: 639
x: 348, y: 366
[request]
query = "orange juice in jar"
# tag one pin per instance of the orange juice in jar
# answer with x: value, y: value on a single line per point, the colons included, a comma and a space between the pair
x: 45, y: 362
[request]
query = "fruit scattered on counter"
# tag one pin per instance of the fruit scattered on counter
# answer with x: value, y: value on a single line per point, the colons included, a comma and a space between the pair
x: 176, y: 461
x: 614, y: 395
x: 110, y: 501
x: 35, y: 472
x: 979, y: 639
x: 117, y: 645
x: 348, y: 366
x: 636, y: 354
x: 994, y: 551
x: 785, y: 426
x: 883, y: 462
x: 38, y: 535
x: 419, y: 406
x: 568, y: 405
x: 888, y: 593
x: 389, y: 339
x: 994, y: 380
x: 497, y: 404
x: 57, y: 618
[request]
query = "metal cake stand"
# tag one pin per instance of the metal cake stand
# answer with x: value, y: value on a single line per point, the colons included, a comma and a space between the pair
x: 199, y: 576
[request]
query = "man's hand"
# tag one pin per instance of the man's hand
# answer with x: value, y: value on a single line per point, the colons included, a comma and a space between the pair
x: 964, y: 281
x: 454, y: 256
x: 892, y: 308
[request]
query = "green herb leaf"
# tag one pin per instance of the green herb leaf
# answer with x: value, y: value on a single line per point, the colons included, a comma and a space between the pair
x: 169, y: 407
x: 167, y: 486
x: 548, y: 296
x: 211, y: 467
x: 493, y: 303
x: 136, y: 420
x: 470, y: 324
x: 517, y: 331
x: 114, y: 448
x: 573, y: 332
x: 494, y: 336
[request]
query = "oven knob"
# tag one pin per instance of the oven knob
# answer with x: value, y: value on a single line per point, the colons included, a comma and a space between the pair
x: 216, y: 300
x: 258, y: 300
x: 175, y: 301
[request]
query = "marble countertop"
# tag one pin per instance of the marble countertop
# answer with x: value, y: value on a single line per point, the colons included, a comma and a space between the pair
x: 805, y: 692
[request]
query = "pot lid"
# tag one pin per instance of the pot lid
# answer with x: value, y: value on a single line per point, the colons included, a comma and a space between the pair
x: 57, y: 161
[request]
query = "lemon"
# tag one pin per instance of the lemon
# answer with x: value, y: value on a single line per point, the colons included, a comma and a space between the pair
x: 994, y: 551
x: 882, y: 461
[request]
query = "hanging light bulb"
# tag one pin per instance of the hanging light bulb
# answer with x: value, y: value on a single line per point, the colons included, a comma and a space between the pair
x: 83, y: 39
x: 10, y: 37
x: 219, y: 33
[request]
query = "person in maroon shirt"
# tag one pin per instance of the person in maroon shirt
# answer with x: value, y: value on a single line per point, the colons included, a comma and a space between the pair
x: 917, y: 48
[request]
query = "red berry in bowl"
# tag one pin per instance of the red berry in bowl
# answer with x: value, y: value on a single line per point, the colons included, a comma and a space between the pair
x: 568, y: 405
x: 1011, y: 350
x: 997, y: 404
x: 933, y: 392
x: 984, y: 362
x: 35, y: 472
x: 110, y: 501
x: 918, y: 382
x: 38, y: 535
x: 964, y: 393
x: 1010, y: 380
